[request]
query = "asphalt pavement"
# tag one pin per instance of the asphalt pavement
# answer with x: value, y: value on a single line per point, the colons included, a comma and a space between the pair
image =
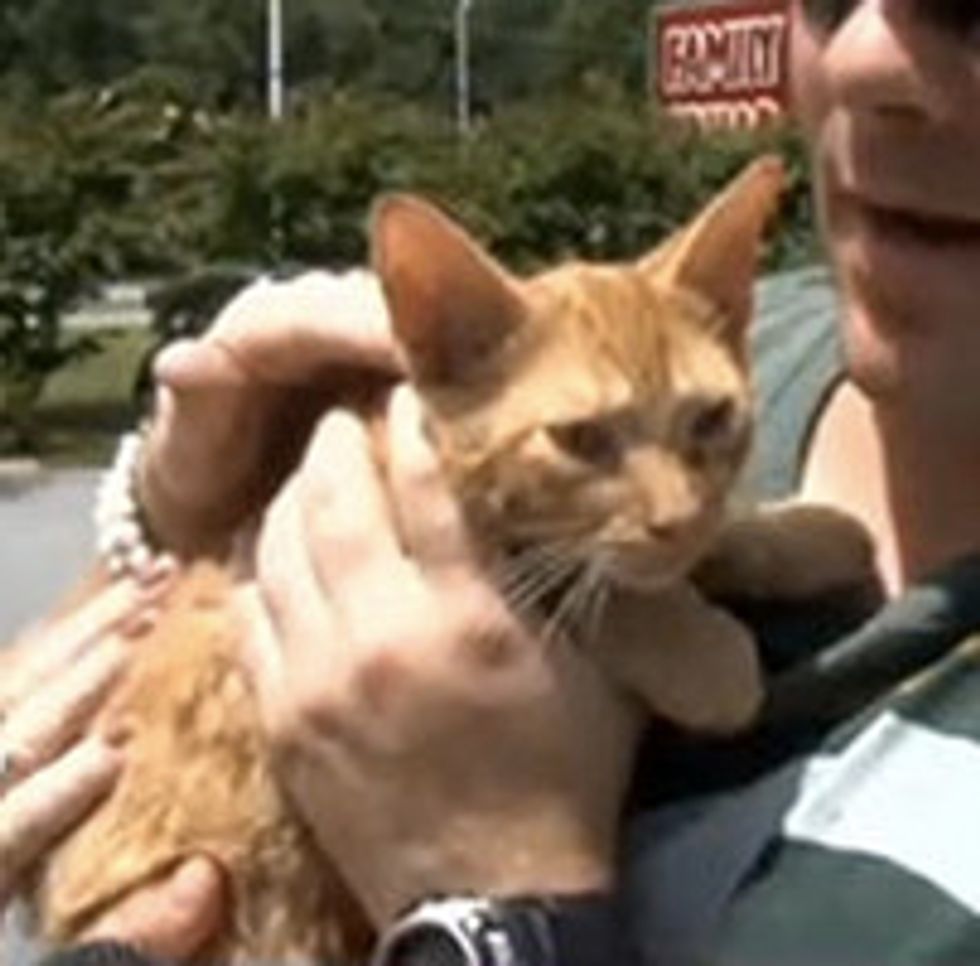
x: 45, y: 539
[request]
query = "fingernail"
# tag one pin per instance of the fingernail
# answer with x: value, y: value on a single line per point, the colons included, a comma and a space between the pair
x: 106, y: 758
x: 197, y: 873
x: 117, y: 732
x: 169, y: 361
x: 158, y: 573
x: 141, y: 622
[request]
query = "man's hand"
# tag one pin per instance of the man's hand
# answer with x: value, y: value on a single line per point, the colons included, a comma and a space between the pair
x: 235, y: 406
x: 433, y: 743
x: 172, y: 918
x: 53, y: 683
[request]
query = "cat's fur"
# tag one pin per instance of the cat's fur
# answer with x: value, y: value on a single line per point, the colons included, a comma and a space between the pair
x: 599, y: 412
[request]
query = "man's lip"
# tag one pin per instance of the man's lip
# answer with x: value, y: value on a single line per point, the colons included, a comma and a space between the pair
x: 915, y: 222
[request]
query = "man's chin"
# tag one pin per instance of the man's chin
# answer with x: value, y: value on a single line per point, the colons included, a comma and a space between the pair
x: 925, y: 378
x: 872, y: 352
x: 912, y: 288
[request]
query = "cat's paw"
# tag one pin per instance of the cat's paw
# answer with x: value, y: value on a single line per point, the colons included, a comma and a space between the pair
x: 687, y: 661
x: 791, y: 551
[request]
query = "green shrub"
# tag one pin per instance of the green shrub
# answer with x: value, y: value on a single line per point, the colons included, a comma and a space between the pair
x: 136, y: 180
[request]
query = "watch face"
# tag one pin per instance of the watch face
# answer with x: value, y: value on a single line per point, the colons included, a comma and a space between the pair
x: 430, y: 946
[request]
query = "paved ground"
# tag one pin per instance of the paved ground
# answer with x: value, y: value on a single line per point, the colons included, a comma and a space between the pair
x: 45, y: 539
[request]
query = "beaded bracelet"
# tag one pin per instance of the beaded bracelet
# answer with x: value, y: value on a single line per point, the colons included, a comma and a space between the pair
x: 121, y: 536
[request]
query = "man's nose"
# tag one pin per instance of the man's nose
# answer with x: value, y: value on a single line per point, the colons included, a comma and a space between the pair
x: 875, y: 57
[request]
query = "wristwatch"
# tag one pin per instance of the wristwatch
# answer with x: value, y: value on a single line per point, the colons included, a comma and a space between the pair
x: 580, y: 930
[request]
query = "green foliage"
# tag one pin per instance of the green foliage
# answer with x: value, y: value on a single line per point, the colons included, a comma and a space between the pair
x: 51, y: 45
x: 520, y: 48
x: 76, y: 175
x: 140, y: 179
x: 598, y: 176
x: 218, y: 44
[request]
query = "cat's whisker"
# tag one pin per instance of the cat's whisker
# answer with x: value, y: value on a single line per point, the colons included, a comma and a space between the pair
x: 530, y: 602
x: 516, y: 573
x: 579, y: 593
x: 559, y: 620
x: 582, y: 608
x: 525, y: 585
x: 528, y: 563
x: 598, y: 603
x: 527, y: 603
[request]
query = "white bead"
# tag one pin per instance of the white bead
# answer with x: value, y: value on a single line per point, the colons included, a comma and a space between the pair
x: 125, y: 533
x: 129, y: 445
x: 119, y: 535
x: 126, y: 504
x: 116, y: 565
x: 140, y: 557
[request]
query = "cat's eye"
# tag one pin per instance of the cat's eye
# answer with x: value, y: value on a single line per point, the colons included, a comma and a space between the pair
x: 588, y: 441
x: 713, y: 421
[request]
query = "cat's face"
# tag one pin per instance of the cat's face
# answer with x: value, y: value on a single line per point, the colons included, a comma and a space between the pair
x: 614, y: 448
x: 598, y: 411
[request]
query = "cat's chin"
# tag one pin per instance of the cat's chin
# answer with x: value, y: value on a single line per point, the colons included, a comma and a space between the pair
x: 642, y: 567
x: 647, y: 577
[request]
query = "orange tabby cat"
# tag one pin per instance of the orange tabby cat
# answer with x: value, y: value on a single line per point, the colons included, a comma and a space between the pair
x: 592, y: 420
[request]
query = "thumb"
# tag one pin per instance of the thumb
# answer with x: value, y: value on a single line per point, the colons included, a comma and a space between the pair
x: 172, y: 917
x: 288, y: 333
x: 197, y: 364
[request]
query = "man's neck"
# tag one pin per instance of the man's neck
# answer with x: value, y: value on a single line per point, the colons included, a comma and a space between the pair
x: 914, y: 487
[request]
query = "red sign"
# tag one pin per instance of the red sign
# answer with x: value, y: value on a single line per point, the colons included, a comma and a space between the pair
x: 723, y: 64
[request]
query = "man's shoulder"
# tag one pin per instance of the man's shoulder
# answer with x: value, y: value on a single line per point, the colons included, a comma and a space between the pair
x: 864, y: 851
x: 869, y: 824
x: 880, y: 839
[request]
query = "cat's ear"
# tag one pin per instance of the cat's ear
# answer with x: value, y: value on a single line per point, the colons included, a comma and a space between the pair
x: 717, y: 254
x: 452, y: 306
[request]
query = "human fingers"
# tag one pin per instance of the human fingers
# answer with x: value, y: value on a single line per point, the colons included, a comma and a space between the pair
x: 52, y: 716
x: 205, y: 454
x: 274, y: 335
x: 261, y: 649
x: 171, y: 918
x: 351, y: 536
x: 285, y: 332
x: 297, y: 610
x: 429, y: 518
x: 37, y: 810
x: 236, y: 405
x: 188, y: 364
x: 124, y: 606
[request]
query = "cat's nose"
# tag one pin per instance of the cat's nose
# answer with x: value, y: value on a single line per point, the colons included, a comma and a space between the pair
x: 664, y: 531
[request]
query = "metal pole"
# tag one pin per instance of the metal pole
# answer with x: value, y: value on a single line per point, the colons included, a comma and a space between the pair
x: 275, y: 60
x: 463, y: 66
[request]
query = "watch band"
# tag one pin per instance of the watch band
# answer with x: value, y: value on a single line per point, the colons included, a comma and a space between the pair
x: 590, y: 929
x: 579, y: 930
